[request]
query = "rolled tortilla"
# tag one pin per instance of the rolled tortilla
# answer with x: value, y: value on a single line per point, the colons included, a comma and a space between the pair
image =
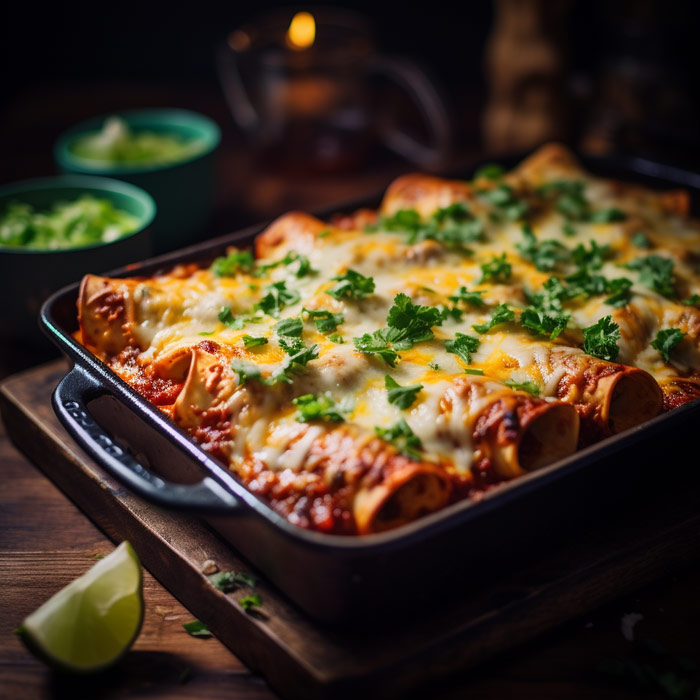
x: 424, y: 193
x: 293, y: 231
x: 608, y: 396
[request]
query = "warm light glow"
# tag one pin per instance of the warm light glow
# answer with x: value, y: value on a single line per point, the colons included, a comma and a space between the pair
x: 302, y: 31
x: 239, y: 40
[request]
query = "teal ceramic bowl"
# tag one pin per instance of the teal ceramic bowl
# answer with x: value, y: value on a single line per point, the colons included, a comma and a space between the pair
x: 183, y: 190
x: 29, y: 276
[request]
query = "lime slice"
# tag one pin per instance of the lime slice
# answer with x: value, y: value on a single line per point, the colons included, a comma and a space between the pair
x: 91, y: 622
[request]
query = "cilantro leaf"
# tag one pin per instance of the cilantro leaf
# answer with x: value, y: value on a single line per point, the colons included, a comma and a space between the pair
x: 303, y: 270
x: 226, y: 316
x: 378, y: 343
x: 655, y: 272
x: 473, y: 370
x: 228, y: 266
x: 693, y: 300
x: 503, y: 197
x: 402, y: 437
x: 570, y: 202
x: 244, y: 370
x: 501, y: 314
x: 666, y: 340
x: 530, y: 387
x: 469, y: 298
x: 490, y: 171
x: 640, y: 240
x: 413, y: 320
x: 291, y: 327
x: 402, y: 396
x: 583, y: 283
x: 541, y: 323
x: 434, y: 366
x: 249, y: 602
x: 545, y: 255
x: 620, y: 290
x: 352, y: 285
x: 600, y: 339
x: 298, y: 356
x: 591, y: 259
x: 318, y: 408
x: 498, y: 269
x: 336, y: 338
x: 250, y: 342
x: 463, y: 346
x: 326, y: 321
x: 277, y: 297
x: 197, y: 629
x: 550, y: 299
x: 228, y: 581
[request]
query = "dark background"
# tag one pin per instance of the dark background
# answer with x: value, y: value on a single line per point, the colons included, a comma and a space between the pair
x: 648, y: 45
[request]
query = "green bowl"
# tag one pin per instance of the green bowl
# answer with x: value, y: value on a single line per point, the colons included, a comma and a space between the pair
x: 183, y: 190
x: 29, y: 276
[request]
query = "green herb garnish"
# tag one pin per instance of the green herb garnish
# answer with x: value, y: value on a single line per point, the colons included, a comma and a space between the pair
x: 541, y: 323
x: 503, y: 197
x: 490, y: 171
x: 666, y: 340
x: 234, y: 262
x: 640, y: 240
x: 600, y: 339
x: 501, y: 314
x: 473, y: 370
x: 277, y: 297
x: 402, y: 437
x: 498, y: 269
x: 693, y: 300
x: 228, y: 581
x: 352, y: 285
x: 326, y: 321
x: 463, y: 346
x: 655, y: 272
x: 291, y: 327
x: 620, y: 290
x: 318, y: 408
x: 469, y: 298
x: 402, y: 396
x: 249, y: 602
x: 545, y: 255
x: 250, y: 342
x: 530, y: 387
x: 197, y: 629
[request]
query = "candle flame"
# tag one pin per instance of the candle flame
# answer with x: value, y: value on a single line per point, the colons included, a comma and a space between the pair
x: 302, y: 31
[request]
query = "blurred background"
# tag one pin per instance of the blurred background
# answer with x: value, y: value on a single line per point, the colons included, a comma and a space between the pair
x: 432, y: 88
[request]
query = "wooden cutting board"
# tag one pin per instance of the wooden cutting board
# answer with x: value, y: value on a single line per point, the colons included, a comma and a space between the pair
x: 301, y: 659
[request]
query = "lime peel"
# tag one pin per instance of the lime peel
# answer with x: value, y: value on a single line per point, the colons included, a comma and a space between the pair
x: 92, y: 622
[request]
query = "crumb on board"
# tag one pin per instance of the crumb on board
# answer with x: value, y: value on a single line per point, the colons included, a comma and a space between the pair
x: 209, y: 567
x: 627, y: 624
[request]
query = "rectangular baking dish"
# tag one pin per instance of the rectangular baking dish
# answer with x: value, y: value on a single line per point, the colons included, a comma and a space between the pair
x: 347, y: 580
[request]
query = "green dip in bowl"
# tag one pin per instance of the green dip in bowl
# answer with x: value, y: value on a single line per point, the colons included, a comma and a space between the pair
x: 168, y: 152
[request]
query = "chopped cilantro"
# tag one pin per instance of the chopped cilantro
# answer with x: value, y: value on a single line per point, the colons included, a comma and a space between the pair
x: 277, y: 297
x: 463, y: 346
x: 620, y: 290
x: 490, y: 171
x: 542, y: 323
x: 666, y: 340
x: 303, y: 270
x: 352, y: 285
x: 228, y: 266
x: 503, y: 197
x: 250, y: 342
x: 291, y: 327
x: 226, y: 316
x: 693, y: 300
x: 591, y: 259
x: 568, y: 230
x: 336, y: 338
x: 607, y: 216
x: 600, y: 339
x: 244, y: 370
x: 571, y: 202
x: 450, y: 312
x: 498, y: 269
x: 402, y: 437
x: 413, y: 320
x: 434, y: 366
x: 227, y: 581
x: 402, y: 396
x: 655, y: 272
x: 206, y: 333
x: 249, y: 602
x: 318, y: 408
x: 640, y: 240
x: 501, y: 314
x: 473, y: 370
x: 323, y: 234
x: 197, y: 629
x: 530, y: 387
x: 583, y: 283
x: 469, y: 298
x: 545, y: 255
x: 378, y: 343
x: 326, y: 321
x: 550, y: 299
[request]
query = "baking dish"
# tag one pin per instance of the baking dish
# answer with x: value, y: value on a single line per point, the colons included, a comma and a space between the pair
x: 340, y: 579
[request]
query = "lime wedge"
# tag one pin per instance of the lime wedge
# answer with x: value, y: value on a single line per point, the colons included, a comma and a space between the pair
x: 90, y: 623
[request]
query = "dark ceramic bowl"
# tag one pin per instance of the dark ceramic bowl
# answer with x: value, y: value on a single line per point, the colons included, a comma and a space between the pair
x: 28, y: 277
x: 183, y: 190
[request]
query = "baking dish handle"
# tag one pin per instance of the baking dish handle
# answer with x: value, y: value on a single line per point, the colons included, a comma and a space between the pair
x: 70, y: 399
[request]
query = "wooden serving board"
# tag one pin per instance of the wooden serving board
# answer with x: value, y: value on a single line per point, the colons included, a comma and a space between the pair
x: 301, y: 659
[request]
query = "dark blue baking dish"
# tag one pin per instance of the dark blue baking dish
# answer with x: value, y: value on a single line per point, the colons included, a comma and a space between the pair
x: 346, y: 580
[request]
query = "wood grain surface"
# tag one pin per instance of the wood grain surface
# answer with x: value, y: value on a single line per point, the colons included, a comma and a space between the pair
x: 46, y: 542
